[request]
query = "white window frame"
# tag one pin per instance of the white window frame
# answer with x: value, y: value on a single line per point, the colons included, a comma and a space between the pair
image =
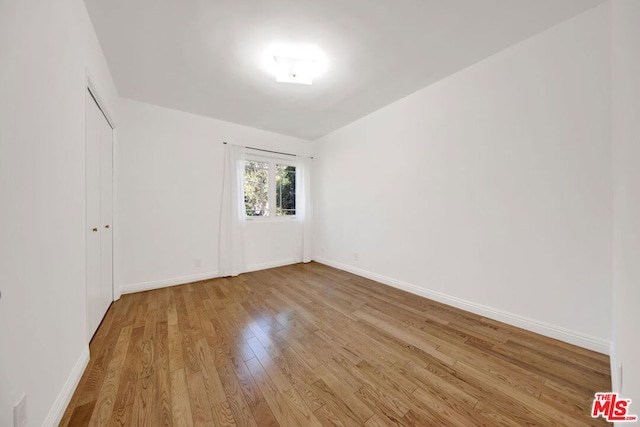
x: 272, y: 160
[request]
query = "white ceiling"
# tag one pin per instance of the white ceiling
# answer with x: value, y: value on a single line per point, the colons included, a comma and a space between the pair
x: 203, y: 56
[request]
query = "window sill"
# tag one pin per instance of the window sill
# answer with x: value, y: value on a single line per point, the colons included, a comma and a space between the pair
x: 259, y: 219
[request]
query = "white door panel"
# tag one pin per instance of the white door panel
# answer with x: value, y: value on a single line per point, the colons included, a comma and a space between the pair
x: 106, y: 214
x: 99, y: 167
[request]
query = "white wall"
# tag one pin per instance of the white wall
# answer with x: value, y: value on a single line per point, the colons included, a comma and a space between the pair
x: 169, y: 183
x: 44, y: 49
x: 492, y: 186
x: 626, y: 208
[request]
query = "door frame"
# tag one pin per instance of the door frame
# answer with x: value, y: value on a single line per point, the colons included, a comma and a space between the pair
x: 95, y: 92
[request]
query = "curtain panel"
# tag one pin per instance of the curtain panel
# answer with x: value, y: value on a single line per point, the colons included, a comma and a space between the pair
x: 304, y: 208
x: 232, y: 221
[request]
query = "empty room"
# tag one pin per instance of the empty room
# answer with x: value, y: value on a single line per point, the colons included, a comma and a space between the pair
x: 319, y: 213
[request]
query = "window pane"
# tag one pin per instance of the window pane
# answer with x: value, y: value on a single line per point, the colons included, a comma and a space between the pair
x: 285, y: 190
x: 256, y: 188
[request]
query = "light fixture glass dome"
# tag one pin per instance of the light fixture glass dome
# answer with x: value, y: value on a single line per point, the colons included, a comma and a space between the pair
x: 294, y: 63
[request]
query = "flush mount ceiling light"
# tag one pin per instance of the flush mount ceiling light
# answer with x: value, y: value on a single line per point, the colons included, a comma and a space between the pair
x: 294, y: 63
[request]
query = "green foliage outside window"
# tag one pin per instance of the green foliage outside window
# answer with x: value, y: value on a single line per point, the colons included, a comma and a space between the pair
x: 285, y: 190
x: 257, y: 189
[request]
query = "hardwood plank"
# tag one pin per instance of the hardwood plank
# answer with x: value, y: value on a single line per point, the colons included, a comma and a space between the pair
x: 376, y: 421
x: 200, y: 407
x: 211, y: 380
x: 328, y: 418
x: 429, y: 381
x: 253, y: 396
x: 223, y: 416
x: 378, y: 403
x: 144, y: 402
x: 236, y: 399
x: 108, y: 391
x: 284, y: 409
x: 81, y: 415
x: 346, y: 395
x: 162, y: 412
x: 336, y: 409
x: 123, y: 404
x: 180, y: 404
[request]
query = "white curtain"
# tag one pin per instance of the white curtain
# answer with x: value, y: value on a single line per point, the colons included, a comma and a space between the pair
x: 232, y: 222
x: 304, y: 205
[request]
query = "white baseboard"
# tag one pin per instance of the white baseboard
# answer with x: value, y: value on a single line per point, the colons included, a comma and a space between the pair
x: 557, y: 332
x: 273, y: 264
x: 117, y: 292
x: 157, y: 284
x: 615, y: 373
x: 64, y: 397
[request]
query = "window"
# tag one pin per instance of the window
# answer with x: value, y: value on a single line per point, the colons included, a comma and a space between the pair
x: 285, y: 190
x: 269, y: 186
x: 256, y: 188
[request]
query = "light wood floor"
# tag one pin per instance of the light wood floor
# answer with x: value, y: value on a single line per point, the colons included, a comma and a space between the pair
x: 308, y: 345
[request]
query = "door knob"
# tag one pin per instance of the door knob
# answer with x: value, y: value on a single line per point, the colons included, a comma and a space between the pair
x: 95, y: 229
x: 106, y: 226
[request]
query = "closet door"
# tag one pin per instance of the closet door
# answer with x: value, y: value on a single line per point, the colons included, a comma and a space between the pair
x: 106, y: 216
x: 99, y: 143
